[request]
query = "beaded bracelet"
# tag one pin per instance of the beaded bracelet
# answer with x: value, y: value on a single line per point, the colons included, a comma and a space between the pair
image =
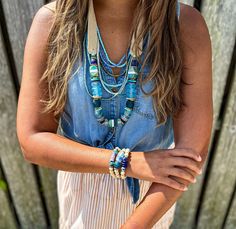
x: 120, y: 162
x: 112, y: 161
x: 124, y: 163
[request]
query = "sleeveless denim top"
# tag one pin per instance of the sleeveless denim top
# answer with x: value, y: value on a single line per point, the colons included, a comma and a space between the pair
x: 78, y: 122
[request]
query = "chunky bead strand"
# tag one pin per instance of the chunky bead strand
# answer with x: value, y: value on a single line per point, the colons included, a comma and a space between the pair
x: 97, y: 84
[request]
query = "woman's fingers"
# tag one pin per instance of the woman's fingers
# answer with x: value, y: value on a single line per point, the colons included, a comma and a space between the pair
x: 173, y: 184
x: 180, y: 180
x: 185, y: 153
x: 185, y: 162
x: 181, y: 173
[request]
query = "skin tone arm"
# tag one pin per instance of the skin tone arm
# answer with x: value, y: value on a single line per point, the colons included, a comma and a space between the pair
x: 192, y: 127
x: 37, y: 132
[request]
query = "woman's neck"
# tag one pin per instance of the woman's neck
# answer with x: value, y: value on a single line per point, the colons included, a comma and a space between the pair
x: 116, y: 8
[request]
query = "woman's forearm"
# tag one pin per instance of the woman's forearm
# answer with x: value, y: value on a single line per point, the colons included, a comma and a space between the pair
x: 154, y: 205
x: 55, y: 151
x: 157, y: 201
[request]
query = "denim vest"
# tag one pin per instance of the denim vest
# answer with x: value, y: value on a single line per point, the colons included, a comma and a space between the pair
x: 78, y: 122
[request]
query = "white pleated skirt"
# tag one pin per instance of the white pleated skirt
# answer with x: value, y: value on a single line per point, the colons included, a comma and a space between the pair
x: 99, y: 201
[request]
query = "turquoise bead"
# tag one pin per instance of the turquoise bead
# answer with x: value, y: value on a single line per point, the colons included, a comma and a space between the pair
x: 97, y: 88
x: 130, y: 90
x: 93, y: 70
x: 95, y: 78
x: 98, y: 112
x: 127, y: 112
x: 111, y: 123
x: 129, y: 103
x: 132, y: 71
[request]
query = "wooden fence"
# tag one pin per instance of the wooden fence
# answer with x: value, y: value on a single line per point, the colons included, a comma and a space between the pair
x: 28, y: 197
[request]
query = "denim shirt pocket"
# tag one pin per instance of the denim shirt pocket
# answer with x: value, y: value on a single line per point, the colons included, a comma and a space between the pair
x: 144, y: 104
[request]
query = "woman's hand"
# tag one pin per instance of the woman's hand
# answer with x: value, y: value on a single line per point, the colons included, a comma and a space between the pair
x: 163, y: 166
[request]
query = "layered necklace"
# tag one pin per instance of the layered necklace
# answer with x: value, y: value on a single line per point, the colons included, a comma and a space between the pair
x: 92, y: 44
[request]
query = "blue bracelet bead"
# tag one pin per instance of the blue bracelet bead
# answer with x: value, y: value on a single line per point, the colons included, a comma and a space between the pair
x: 117, y: 165
x: 124, y: 164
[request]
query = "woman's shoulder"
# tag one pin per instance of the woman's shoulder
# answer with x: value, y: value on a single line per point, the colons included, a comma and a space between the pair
x: 50, y: 6
x: 191, y: 19
x: 45, y: 12
x: 194, y: 32
x: 43, y: 19
x: 40, y: 27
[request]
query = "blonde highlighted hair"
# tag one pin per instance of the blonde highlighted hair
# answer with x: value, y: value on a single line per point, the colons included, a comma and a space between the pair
x: 163, y: 53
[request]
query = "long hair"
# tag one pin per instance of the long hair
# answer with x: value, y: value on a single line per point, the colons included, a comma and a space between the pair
x: 162, y: 54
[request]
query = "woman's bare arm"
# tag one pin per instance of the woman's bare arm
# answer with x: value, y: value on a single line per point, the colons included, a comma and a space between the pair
x: 37, y: 132
x: 192, y: 127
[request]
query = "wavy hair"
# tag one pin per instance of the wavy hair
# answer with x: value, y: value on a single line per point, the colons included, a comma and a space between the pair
x: 162, y: 54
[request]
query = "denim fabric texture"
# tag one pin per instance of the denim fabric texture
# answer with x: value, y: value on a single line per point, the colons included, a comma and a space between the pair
x: 78, y: 122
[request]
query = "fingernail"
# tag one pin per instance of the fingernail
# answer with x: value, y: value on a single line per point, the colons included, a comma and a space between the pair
x: 195, y: 180
x: 185, y: 188
x: 199, y: 158
x: 200, y: 172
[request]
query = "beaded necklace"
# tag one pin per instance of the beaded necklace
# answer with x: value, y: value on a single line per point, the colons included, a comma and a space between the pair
x: 131, y: 74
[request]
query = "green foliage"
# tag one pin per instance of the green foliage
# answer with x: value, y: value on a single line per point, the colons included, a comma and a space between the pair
x: 3, y: 185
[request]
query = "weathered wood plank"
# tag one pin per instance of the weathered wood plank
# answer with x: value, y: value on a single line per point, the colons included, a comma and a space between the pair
x: 19, y: 16
x: 222, y: 177
x: 220, y: 16
x: 19, y: 174
x: 7, y: 219
x: 49, y: 186
x: 231, y: 219
x: 220, y: 20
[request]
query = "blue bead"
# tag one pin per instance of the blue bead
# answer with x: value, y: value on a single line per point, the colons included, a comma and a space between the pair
x: 127, y: 112
x: 123, y: 118
x: 129, y: 103
x: 94, y: 61
x: 130, y: 90
x: 96, y: 88
x: 98, y: 112
x: 97, y: 102
x: 134, y: 62
x: 117, y: 165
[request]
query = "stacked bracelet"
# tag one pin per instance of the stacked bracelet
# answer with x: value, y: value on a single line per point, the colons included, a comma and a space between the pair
x: 112, y: 161
x: 124, y: 163
x: 119, y: 160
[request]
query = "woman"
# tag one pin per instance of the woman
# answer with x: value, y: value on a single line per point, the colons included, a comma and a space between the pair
x: 151, y: 64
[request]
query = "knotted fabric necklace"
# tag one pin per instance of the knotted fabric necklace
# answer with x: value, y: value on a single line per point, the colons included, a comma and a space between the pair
x: 129, y: 83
